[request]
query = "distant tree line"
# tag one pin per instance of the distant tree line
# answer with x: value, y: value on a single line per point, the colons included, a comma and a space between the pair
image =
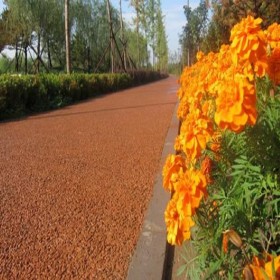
x: 208, y: 26
x: 100, y: 40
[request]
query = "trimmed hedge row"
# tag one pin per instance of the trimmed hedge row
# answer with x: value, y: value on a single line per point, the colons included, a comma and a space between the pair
x: 20, y: 95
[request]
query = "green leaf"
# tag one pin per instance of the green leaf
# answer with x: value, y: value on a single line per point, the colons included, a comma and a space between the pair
x: 214, y: 267
x: 181, y: 269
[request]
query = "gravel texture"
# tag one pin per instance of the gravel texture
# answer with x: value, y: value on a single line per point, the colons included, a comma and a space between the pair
x: 75, y: 184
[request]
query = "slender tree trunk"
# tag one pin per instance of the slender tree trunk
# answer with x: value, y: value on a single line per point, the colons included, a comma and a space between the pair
x: 67, y: 37
x: 122, y: 36
x: 137, y: 32
x: 146, y: 48
x: 38, y: 54
x: 154, y: 46
x: 111, y: 37
x: 88, y: 59
x: 49, y: 55
x: 25, y: 58
x: 16, y: 58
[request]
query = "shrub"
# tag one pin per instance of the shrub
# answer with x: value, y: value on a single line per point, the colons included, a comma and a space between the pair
x: 22, y: 94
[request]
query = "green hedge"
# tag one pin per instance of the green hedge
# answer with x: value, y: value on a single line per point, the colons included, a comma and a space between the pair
x: 20, y: 95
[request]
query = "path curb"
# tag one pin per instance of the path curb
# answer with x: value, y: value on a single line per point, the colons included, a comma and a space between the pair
x: 151, y: 259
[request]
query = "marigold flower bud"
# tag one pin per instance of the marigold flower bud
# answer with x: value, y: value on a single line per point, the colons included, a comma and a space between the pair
x: 234, y: 238
x: 247, y: 273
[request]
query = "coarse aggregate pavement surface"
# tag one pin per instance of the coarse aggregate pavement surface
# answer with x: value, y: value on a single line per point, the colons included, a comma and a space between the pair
x: 75, y: 184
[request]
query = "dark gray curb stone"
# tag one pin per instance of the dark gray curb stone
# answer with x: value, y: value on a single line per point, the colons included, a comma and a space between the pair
x: 152, y: 257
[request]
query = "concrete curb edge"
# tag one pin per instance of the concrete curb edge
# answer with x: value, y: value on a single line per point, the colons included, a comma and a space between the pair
x: 152, y: 256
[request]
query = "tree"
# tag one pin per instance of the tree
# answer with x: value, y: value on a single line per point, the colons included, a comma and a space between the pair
x: 226, y: 13
x: 4, y: 35
x: 34, y: 33
x: 161, y: 48
x: 122, y: 38
x: 194, y: 31
x: 79, y: 27
x: 133, y: 46
x: 149, y: 23
x: 140, y: 10
x: 19, y: 30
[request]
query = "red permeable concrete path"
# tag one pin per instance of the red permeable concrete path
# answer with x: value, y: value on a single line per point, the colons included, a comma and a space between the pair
x: 75, y: 184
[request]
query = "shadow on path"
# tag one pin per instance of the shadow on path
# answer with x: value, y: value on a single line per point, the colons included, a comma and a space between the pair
x: 102, y: 110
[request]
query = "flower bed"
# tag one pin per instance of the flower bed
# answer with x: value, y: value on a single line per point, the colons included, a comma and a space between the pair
x: 224, y: 178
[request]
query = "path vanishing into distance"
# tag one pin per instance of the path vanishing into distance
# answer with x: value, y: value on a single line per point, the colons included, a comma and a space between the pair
x: 75, y: 184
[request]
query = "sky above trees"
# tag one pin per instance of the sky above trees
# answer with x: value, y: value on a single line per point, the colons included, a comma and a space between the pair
x: 174, y: 17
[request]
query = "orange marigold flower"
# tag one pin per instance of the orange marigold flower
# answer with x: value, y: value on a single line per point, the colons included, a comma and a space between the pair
x: 264, y: 270
x: 190, y: 188
x: 180, y: 93
x: 224, y: 61
x: 196, y: 131
x: 215, y: 142
x: 206, y: 74
x: 274, y: 66
x: 172, y: 220
x: 199, y: 55
x: 261, y: 66
x: 247, y: 39
x: 249, y: 44
x: 177, y: 144
x: 275, y: 262
x: 208, y: 108
x: 273, y: 35
x: 187, y: 223
x: 183, y: 109
x: 206, y: 166
x: 171, y: 171
x: 178, y: 225
x: 236, y: 104
x: 249, y: 70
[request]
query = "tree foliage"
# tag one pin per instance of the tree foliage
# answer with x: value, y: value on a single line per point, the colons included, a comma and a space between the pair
x: 149, y: 22
x: 194, y: 31
x: 206, y: 33
x: 34, y: 35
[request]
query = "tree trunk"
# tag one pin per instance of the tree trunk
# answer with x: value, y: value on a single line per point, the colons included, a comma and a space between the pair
x: 38, y: 54
x: 111, y: 37
x: 16, y: 58
x: 122, y: 36
x: 88, y: 60
x: 137, y: 32
x: 49, y: 55
x: 25, y: 58
x: 67, y: 37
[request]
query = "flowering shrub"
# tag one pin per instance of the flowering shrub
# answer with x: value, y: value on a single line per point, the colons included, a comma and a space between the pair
x: 224, y: 179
